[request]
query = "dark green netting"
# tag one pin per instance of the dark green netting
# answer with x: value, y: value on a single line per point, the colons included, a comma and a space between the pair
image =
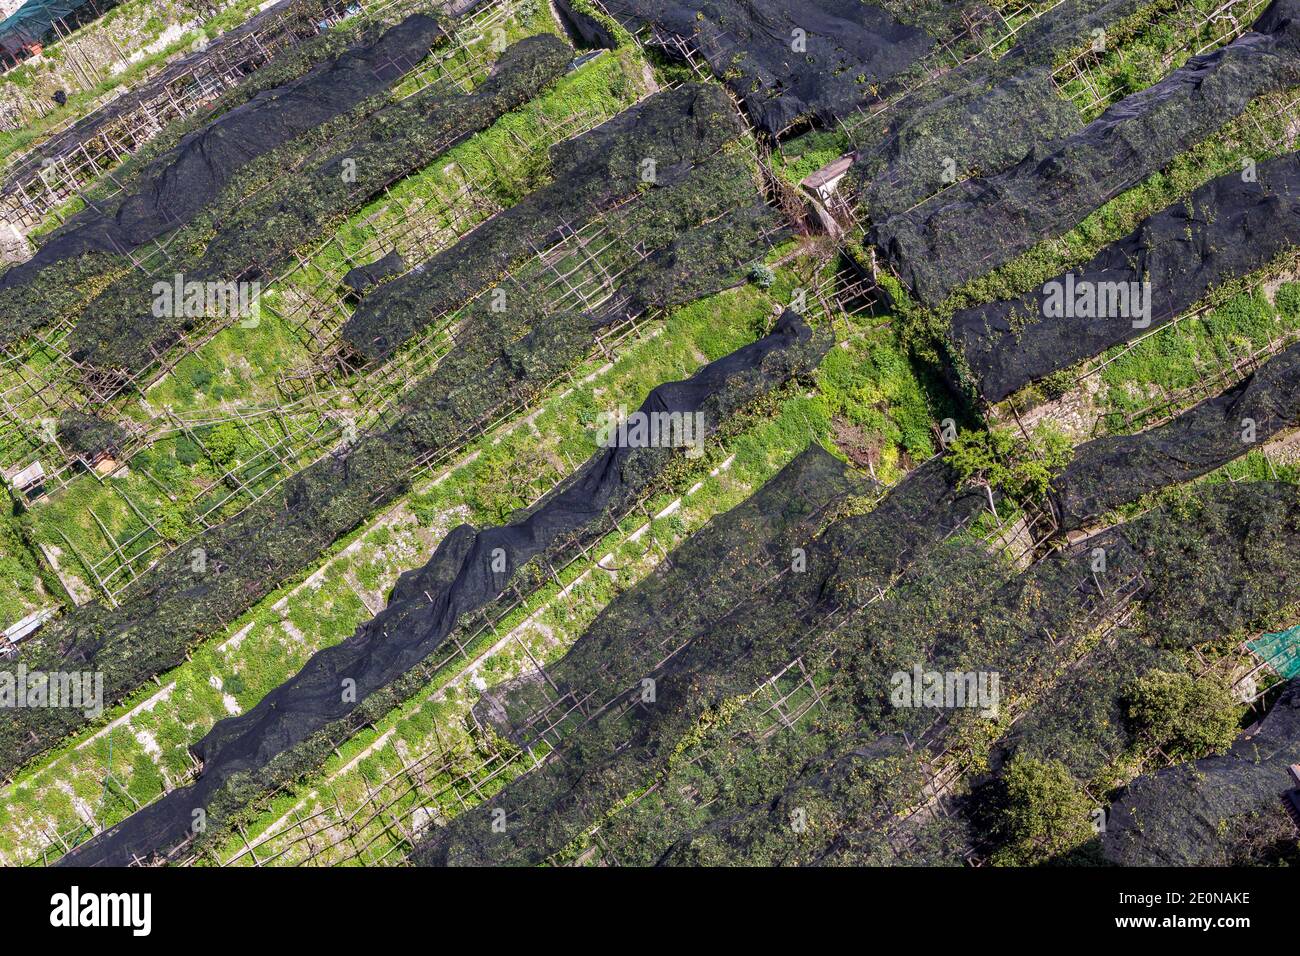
x: 984, y: 222
x: 500, y: 361
x: 291, y: 728
x: 1217, y: 811
x: 1226, y: 229
x: 90, y: 435
x: 645, y: 149
x: 850, y: 764
x: 1112, y: 471
x: 184, y: 182
x: 255, y: 237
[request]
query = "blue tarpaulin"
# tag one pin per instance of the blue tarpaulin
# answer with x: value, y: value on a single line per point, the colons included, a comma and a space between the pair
x: 1281, y: 650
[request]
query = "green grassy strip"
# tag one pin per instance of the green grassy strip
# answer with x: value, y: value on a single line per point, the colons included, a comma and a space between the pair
x: 1258, y: 134
x: 1144, y: 48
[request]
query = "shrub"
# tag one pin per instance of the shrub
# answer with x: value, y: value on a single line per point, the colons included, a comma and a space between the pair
x: 222, y: 442
x: 762, y: 276
x: 1287, y: 300
x: 1002, y: 460
x: 200, y: 379
x: 1186, y: 717
x: 173, y: 524
x: 1044, y: 815
x: 503, y: 482
x: 187, y: 451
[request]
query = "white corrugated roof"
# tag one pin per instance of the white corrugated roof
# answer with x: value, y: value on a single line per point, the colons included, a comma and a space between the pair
x: 30, y: 475
x: 17, y: 632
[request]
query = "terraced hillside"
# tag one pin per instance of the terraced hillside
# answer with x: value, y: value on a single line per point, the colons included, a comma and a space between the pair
x: 656, y: 432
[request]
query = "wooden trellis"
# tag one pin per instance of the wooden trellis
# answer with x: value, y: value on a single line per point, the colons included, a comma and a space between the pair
x: 413, y: 779
x: 87, y: 148
x: 1220, y: 26
x: 43, y: 393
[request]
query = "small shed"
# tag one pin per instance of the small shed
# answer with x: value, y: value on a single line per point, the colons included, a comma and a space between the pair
x: 825, y: 180
x: 18, y: 632
x: 30, y: 480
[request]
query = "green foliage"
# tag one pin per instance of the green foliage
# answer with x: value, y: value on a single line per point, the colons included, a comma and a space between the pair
x: 808, y: 153
x: 21, y: 587
x: 1057, y: 384
x: 1179, y: 500
x: 1001, y: 459
x: 1180, y: 357
x: 616, y: 32
x: 1186, y: 717
x: 1287, y: 301
x: 188, y: 451
x: 173, y: 522
x: 200, y: 378
x: 222, y: 442
x: 146, y: 781
x: 875, y: 386
x: 1044, y: 813
x: 762, y: 276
